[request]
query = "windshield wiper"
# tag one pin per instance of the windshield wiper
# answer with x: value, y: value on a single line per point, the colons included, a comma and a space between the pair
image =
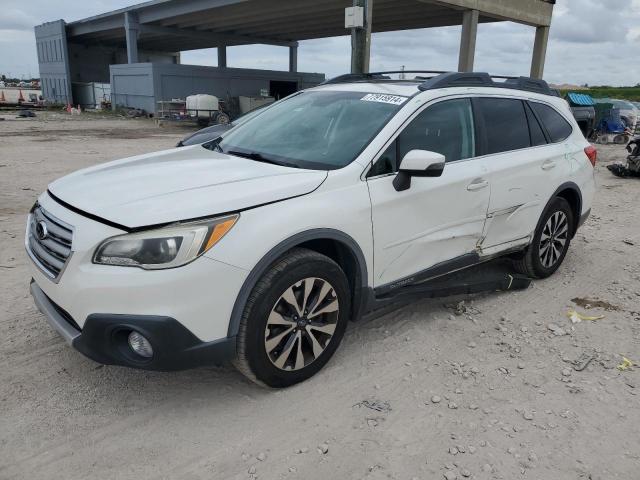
x: 258, y: 157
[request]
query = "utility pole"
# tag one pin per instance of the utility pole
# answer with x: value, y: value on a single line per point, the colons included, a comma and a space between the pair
x: 361, y: 38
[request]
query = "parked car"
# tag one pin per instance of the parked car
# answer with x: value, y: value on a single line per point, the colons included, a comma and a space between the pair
x: 214, y: 131
x: 582, y: 107
x: 337, y: 200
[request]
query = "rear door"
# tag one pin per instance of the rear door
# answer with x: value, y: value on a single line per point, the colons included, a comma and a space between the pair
x: 523, y: 170
x: 436, y: 219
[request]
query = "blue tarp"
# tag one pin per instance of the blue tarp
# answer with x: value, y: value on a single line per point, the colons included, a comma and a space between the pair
x: 580, y: 99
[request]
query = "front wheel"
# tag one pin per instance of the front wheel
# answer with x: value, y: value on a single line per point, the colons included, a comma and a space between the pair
x: 550, y: 242
x: 294, y: 319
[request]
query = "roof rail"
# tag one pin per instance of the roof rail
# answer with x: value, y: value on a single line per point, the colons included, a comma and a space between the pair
x: 439, y: 79
x: 364, y: 77
x: 482, y: 79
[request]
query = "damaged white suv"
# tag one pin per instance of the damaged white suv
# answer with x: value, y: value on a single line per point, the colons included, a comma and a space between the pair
x: 259, y: 246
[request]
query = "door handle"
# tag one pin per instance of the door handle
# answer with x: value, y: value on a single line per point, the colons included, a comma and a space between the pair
x: 548, y: 165
x: 477, y: 184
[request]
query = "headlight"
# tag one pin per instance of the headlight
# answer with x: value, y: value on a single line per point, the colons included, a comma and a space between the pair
x: 164, y: 248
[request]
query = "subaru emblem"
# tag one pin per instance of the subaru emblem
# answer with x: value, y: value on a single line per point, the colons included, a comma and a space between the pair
x: 41, y: 230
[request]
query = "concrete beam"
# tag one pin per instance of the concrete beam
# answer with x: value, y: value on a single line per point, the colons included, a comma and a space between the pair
x: 468, y: 40
x: 211, y: 37
x: 132, y: 29
x: 539, y: 52
x: 222, y: 56
x: 293, y: 58
x: 530, y: 12
x: 361, y: 39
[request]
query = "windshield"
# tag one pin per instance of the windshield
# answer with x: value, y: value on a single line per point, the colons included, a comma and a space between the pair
x: 322, y: 130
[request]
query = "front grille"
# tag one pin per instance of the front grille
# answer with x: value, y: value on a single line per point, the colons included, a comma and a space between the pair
x: 48, y: 242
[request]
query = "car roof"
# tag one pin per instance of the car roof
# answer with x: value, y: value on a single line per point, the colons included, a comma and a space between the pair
x: 410, y: 89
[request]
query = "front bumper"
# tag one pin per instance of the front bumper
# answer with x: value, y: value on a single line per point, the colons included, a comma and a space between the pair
x: 103, y: 338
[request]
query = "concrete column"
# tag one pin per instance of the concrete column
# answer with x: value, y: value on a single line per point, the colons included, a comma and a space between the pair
x: 361, y: 39
x: 222, y: 56
x: 468, y: 40
x: 539, y: 52
x: 131, y: 28
x: 293, y: 58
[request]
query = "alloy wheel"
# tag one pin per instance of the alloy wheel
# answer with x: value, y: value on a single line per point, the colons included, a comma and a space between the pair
x: 301, y: 324
x: 553, y: 240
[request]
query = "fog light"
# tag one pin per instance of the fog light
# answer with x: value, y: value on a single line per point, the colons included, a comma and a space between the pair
x: 140, y: 345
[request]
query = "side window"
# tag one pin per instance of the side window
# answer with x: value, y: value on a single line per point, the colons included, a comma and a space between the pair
x: 535, y: 130
x: 557, y: 127
x: 505, y: 123
x: 446, y: 127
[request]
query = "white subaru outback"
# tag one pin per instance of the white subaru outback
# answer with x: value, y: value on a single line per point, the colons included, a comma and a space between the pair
x: 259, y: 246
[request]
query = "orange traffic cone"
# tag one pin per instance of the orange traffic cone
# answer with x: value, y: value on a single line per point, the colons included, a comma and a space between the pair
x: 2, y: 97
x: 68, y: 109
x: 20, y: 97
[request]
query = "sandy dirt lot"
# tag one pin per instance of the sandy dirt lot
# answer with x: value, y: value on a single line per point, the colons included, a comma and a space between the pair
x: 422, y: 392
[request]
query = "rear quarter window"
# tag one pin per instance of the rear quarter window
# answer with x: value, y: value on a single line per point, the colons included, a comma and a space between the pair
x: 555, y: 124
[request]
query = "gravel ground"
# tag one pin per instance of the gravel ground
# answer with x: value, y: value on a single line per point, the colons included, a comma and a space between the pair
x: 502, y: 386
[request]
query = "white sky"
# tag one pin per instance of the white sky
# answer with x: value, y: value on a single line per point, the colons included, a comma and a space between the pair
x: 592, y: 41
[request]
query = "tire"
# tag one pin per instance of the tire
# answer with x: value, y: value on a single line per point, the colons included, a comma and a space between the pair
x: 544, y: 255
x: 223, y: 119
x: 275, y: 342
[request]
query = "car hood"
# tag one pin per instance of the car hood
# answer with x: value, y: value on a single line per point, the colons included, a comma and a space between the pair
x: 180, y: 184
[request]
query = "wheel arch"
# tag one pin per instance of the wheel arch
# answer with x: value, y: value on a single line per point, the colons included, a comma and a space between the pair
x: 572, y: 194
x: 337, y: 245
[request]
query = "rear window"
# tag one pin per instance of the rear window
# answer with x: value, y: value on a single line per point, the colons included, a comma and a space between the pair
x: 557, y: 127
x: 505, y: 123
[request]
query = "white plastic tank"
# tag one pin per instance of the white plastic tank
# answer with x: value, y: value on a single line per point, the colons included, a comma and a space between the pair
x: 202, y: 105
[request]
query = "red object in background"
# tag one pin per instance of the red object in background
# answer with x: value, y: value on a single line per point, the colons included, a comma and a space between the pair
x: 2, y: 98
x: 592, y: 153
x: 20, y: 97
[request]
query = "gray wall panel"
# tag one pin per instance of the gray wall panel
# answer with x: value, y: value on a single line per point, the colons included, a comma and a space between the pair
x: 142, y: 85
x: 53, y: 62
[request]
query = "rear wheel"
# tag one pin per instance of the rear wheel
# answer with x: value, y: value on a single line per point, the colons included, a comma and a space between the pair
x: 294, y: 319
x: 550, y: 242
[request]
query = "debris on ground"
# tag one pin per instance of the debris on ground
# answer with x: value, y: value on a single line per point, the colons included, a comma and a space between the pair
x: 461, y: 308
x: 588, y: 303
x: 25, y: 114
x: 619, y: 170
x: 136, y: 113
x: 626, y: 364
x: 377, y: 405
x: 557, y: 330
x: 628, y: 242
x: 582, y: 362
x: 576, y: 317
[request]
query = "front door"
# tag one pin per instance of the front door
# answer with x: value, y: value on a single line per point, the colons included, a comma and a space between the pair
x: 436, y: 219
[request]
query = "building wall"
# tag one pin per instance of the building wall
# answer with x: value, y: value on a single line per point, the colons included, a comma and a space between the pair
x: 142, y: 85
x: 53, y: 60
x: 90, y: 63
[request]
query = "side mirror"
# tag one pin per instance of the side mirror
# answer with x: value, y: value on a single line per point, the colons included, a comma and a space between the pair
x: 418, y: 163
